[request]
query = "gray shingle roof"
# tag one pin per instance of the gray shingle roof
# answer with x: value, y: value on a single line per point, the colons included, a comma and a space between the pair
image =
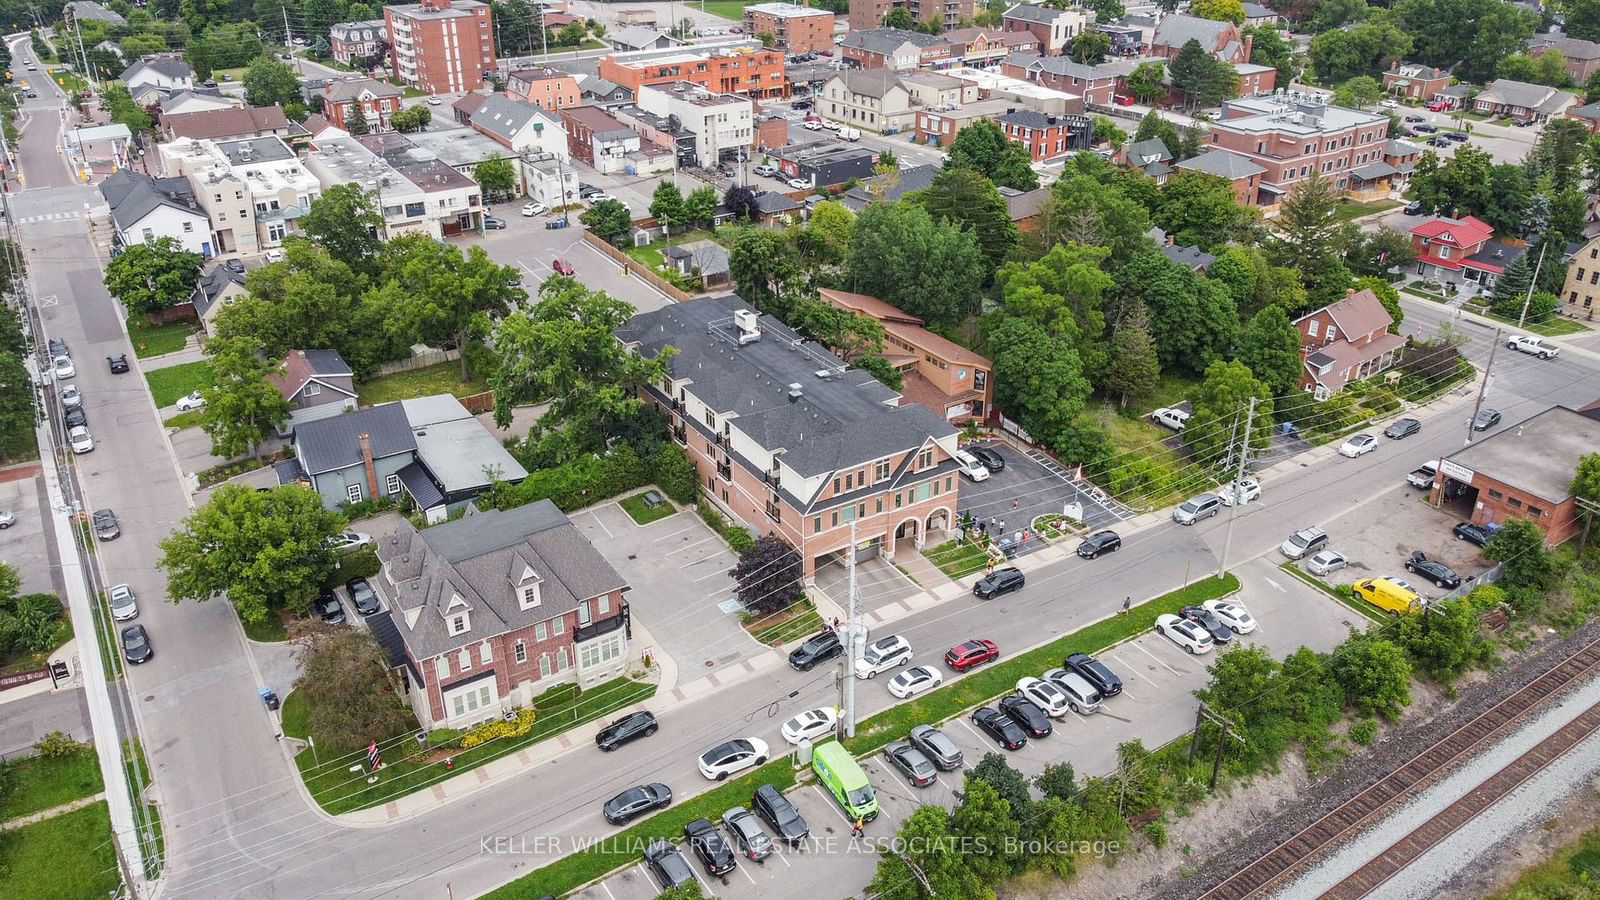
x: 773, y: 202
x: 1570, y: 47
x: 639, y: 36
x: 210, y: 287
x: 887, y: 40
x: 326, y: 362
x: 1224, y: 163
x: 1257, y: 11
x: 907, y: 180
x: 163, y: 65
x: 335, y: 443
x: 482, y: 559
x: 839, y: 421
x: 132, y: 196
x: 1177, y: 29
x: 1057, y: 65
x: 503, y: 117
x: 871, y: 82
x: 350, y: 88
x: 1191, y: 258
x: 1031, y: 12
x: 1516, y: 93
x: 1142, y: 152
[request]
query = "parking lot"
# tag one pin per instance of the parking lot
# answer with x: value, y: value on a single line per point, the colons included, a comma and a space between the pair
x: 1156, y: 706
x: 1026, y: 489
x: 23, y: 544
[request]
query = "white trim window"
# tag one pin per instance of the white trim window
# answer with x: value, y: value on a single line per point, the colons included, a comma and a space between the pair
x: 441, y: 667
x: 600, y: 652
x: 485, y: 653
x: 464, y: 659
x: 353, y: 492
x: 544, y: 665
x: 391, y: 485
x: 520, y: 652
x: 480, y: 695
x: 459, y: 624
x: 312, y: 389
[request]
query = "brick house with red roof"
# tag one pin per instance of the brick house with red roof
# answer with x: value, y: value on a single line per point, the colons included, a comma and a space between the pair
x: 1346, y: 341
x: 1455, y: 250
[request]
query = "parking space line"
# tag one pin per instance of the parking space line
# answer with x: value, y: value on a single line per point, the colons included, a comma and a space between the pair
x: 596, y: 515
x: 746, y: 874
x: 974, y: 731
x: 832, y: 805
x: 712, y: 575
x: 668, y: 537
x: 1131, y: 670
x: 608, y: 891
x: 1158, y: 661
x: 781, y: 856
x: 703, y: 886
x: 713, y: 537
x: 910, y: 794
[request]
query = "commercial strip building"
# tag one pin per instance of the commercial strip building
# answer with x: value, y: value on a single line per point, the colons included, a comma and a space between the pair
x: 415, y: 195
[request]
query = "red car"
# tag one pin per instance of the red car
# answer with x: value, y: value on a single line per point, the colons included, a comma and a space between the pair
x: 1122, y: 100
x: 562, y: 267
x: 1437, y: 106
x: 964, y: 656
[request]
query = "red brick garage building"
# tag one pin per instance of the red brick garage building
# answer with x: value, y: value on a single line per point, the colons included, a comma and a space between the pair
x: 1524, y: 471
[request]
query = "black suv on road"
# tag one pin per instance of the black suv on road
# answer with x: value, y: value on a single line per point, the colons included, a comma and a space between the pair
x: 1003, y: 581
x: 820, y: 648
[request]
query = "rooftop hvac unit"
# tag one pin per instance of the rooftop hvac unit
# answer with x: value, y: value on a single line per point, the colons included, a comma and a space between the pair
x: 749, y: 325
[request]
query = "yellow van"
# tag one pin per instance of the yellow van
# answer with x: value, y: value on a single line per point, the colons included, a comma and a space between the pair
x: 1384, y: 593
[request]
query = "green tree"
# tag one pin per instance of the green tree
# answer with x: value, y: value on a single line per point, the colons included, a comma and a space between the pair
x: 985, y: 820
x: 1085, y: 211
x: 931, y: 269
x: 243, y: 407
x: 899, y: 17
x: 1505, y: 299
x: 1146, y: 82
x: 19, y: 410
x: 356, y: 122
x: 609, y: 220
x: 345, y: 685
x: 1134, y: 370
x: 667, y: 206
x: 261, y: 549
x: 1269, y: 345
x: 436, y: 294
x: 927, y: 852
x: 1192, y: 319
x: 1529, y: 568
x: 1220, y: 10
x: 1154, y: 127
x: 1473, y: 35
x: 346, y: 221
x: 415, y: 118
x: 1040, y: 380
x: 768, y: 575
x: 270, y: 82
x: 1199, y: 209
x: 1374, y: 674
x: 1359, y: 92
x: 1245, y: 686
x: 1090, y: 47
x: 152, y: 276
x: 1105, y: 10
x: 741, y: 202
x: 765, y: 270
x: 1064, y: 291
x: 1367, y: 49
x: 1190, y: 71
x: 495, y: 175
x: 1269, y: 48
x: 1107, y: 132
x: 1586, y: 486
x: 887, y: 159
x: 984, y: 148
x: 1221, y: 397
x: 1012, y: 786
x: 700, y: 206
x: 1446, y: 639
x: 1312, y: 239
x: 1560, y: 154
x: 970, y: 201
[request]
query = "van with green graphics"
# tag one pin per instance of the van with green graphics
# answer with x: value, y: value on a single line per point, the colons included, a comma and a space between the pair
x: 838, y: 773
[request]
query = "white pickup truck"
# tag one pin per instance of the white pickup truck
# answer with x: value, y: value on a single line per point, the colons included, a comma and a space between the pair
x: 1170, y: 417
x: 1423, y: 475
x: 1534, y: 346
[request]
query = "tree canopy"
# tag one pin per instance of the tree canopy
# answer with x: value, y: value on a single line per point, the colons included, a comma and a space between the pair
x: 984, y: 148
x: 931, y: 269
x: 346, y: 221
x: 154, y: 275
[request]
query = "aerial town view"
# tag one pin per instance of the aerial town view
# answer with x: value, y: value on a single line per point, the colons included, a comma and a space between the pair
x: 817, y: 450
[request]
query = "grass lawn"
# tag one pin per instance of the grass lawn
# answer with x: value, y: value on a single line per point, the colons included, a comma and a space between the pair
x: 728, y: 9
x: 623, y: 849
x: 1425, y: 295
x: 69, y: 81
x: 1559, y: 876
x: 155, y: 845
x: 642, y: 513
x: 235, y: 74
x: 1129, y: 434
x: 168, y: 384
x: 443, y: 378
x: 190, y: 419
x: 650, y: 254
x: 1555, y: 326
x: 67, y: 857
x: 35, y: 783
x: 799, y: 620
x: 405, y: 767
x: 270, y: 630
x: 1348, y: 211
x: 154, y: 340
x: 957, y: 560
x: 985, y: 684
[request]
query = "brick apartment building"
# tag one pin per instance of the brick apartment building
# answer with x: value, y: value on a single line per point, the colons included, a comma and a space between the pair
x: 790, y: 442
x: 755, y: 72
x: 583, y: 124
x: 796, y: 28
x: 1096, y: 85
x: 1053, y: 28
x: 1292, y: 139
x: 1583, y: 57
x: 352, y: 42
x: 441, y: 46
x: 1221, y: 39
x: 1415, y: 81
x: 378, y: 100
x: 947, y: 378
x: 866, y: 14
x: 1046, y: 136
x: 545, y: 88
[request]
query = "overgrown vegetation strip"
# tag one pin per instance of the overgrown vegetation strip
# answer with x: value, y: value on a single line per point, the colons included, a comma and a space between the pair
x: 1347, y: 597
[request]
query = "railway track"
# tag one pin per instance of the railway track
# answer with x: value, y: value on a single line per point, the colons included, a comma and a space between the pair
x: 1272, y: 868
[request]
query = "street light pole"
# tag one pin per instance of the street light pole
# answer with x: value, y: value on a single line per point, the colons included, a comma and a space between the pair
x: 1545, y: 248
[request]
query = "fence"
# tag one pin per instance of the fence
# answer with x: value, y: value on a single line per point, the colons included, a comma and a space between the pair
x: 432, y: 356
x: 18, y: 679
x: 633, y: 265
x: 477, y: 404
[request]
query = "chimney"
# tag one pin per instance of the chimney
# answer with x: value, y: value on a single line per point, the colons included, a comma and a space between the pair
x: 366, y: 461
x: 1349, y: 292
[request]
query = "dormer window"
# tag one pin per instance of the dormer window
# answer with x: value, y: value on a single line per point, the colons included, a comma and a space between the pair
x: 527, y: 588
x: 459, y: 624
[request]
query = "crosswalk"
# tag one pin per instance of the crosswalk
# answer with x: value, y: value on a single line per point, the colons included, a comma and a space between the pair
x: 50, y: 217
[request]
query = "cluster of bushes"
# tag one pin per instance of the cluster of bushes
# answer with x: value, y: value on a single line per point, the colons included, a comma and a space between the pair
x: 594, y: 477
x: 29, y: 623
x: 493, y: 730
x: 737, y: 536
x: 369, y: 506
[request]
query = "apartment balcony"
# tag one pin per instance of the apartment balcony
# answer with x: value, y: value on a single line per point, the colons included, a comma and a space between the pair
x: 724, y: 441
x: 773, y: 478
x: 725, y: 470
x: 774, y: 512
x: 681, y: 434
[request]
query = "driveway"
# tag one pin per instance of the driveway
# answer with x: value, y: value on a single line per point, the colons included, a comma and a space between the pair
x: 1031, y: 485
x: 24, y: 545
x: 878, y: 582
x: 24, y: 721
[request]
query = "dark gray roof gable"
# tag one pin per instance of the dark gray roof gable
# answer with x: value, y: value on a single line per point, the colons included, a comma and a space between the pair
x: 335, y: 442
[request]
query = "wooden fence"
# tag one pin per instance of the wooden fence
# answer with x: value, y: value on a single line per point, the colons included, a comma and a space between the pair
x: 429, y: 357
x: 634, y: 266
x: 477, y: 404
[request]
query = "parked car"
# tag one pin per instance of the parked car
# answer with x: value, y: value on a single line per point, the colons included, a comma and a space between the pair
x: 819, y: 648
x: 1101, y: 542
x: 1205, y: 618
x: 1175, y: 419
x: 1485, y: 419
x: 433, y: 100
x: 1413, y: 117
x: 1438, y: 141
x: 1303, y: 542
x: 533, y: 209
x: 1027, y: 714
x: 882, y: 655
x: 799, y: 184
x: 562, y: 267
x: 275, y: 255
x: 1189, y: 635
x: 753, y: 842
x: 1424, y: 127
x: 1402, y: 428
x: 346, y: 541
x: 1533, y: 346
x: 773, y: 808
x: 1388, y: 594
x: 105, y: 525
x: 1358, y: 445
x: 811, y: 125
x: 124, y: 605
x: 1457, y: 136
x: 937, y: 747
x: 362, y: 595
x: 706, y: 843
x: 7, y: 519
x: 635, y: 802
x: 1000, y: 727
x: 329, y: 608
x: 74, y: 416
x: 1389, y: 103
x: 1243, y: 491
x: 970, y: 467
x: 62, y: 367
x: 764, y: 170
x: 1326, y: 562
x: 912, y: 763
x: 71, y: 396
x: 191, y: 400
x: 810, y: 725
x: 80, y: 439
x: 1414, y: 208
x: 991, y: 458
x: 1472, y: 532
x: 136, y: 645
x: 627, y: 729
x: 1044, y: 695
x: 667, y: 865
x: 1082, y: 697
x: 1433, y: 570
x: 493, y: 223
x: 58, y: 347
x: 732, y: 756
x: 914, y: 681
x: 1233, y: 614
x: 1194, y: 509
x: 967, y: 654
x: 1097, y: 673
x: 118, y: 363
x: 1003, y: 581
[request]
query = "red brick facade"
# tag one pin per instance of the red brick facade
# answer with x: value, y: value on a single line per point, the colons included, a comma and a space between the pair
x: 441, y: 46
x: 797, y: 33
x: 544, y: 88
x: 756, y: 73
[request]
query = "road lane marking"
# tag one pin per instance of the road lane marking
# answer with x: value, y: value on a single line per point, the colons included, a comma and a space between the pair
x: 1157, y: 660
x: 1276, y: 585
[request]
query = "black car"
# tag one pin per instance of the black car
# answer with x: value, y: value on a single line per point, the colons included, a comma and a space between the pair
x: 1433, y: 570
x: 1472, y: 531
x: 774, y: 808
x: 1000, y: 727
x: 667, y: 864
x: 820, y: 648
x: 1205, y: 618
x: 1415, y: 118
x: 635, y: 802
x: 1486, y: 419
x: 235, y: 266
x: 1438, y: 141
x: 630, y: 727
x: 1402, y: 428
x: 1003, y: 581
x: 1413, y: 208
x: 1457, y: 136
x: 745, y: 830
x: 991, y: 459
x: 801, y: 104
x: 1424, y: 127
x: 75, y: 416
x: 1098, y: 543
x: 708, y: 846
x: 329, y: 608
x: 937, y: 747
x: 58, y: 347
x: 105, y: 525
x: 1026, y: 714
x: 136, y: 645
x: 118, y: 363
x: 912, y: 763
x: 1096, y: 673
x: 362, y: 595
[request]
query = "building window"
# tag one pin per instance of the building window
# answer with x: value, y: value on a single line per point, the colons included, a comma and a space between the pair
x: 485, y: 653
x: 520, y: 651
x: 561, y: 658
x: 1515, y: 503
x: 558, y: 625
x: 539, y: 633
x: 1535, y: 511
x: 1495, y: 495
x: 458, y: 624
x: 544, y: 665
x: 391, y: 485
x: 583, y: 615
x: 1311, y: 327
x: 188, y: 227
x: 312, y: 389
x: 353, y: 491
x: 464, y: 659
x: 816, y: 525
x: 441, y: 667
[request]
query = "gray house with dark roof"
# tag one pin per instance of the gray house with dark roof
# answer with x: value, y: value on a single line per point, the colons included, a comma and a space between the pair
x: 483, y: 613
x: 213, y: 291
x: 144, y: 209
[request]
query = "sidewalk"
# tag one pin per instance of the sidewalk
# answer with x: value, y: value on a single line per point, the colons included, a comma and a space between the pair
x: 189, y: 354
x: 52, y: 812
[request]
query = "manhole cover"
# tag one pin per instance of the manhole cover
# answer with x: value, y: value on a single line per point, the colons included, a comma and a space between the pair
x: 710, y: 663
x: 149, y: 697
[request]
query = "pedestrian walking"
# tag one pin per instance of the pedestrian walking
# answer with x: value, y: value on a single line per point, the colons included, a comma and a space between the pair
x: 1015, y: 501
x: 856, y: 829
x: 1002, y: 527
x: 835, y: 623
x: 1127, y: 603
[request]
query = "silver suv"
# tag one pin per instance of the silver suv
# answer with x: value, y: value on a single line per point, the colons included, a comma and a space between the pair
x: 1303, y: 542
x: 1196, y: 508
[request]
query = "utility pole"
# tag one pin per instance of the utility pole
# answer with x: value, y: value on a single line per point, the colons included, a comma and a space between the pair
x: 288, y: 41
x: 851, y: 638
x: 1532, y: 285
x: 1591, y: 509
x: 1483, y: 386
x: 1243, y: 452
x: 1224, y: 731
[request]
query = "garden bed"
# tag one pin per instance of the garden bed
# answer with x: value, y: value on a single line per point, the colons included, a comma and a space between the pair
x: 799, y: 620
x: 957, y: 559
x: 643, y: 513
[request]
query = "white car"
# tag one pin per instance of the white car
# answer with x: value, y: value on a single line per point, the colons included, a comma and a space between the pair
x: 7, y: 519
x: 434, y: 100
x: 1191, y: 636
x: 764, y: 169
x: 1047, y: 696
x: 597, y: 196
x: 80, y: 439
x: 882, y: 655
x: 799, y: 184
x: 732, y: 756
x: 70, y: 396
x: 533, y: 209
x: 349, y: 540
x: 832, y: 126
x: 275, y: 255
x: 62, y: 367
x: 914, y: 681
x: 1533, y: 345
x: 1390, y: 103
x: 812, y: 125
x: 1232, y: 614
x: 191, y: 401
x: 1356, y: 446
x: 1326, y: 562
x: 970, y: 467
x: 1173, y: 418
x: 810, y: 725
x: 1244, y: 491
x: 124, y: 605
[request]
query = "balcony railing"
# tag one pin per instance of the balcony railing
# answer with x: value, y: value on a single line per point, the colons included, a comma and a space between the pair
x: 682, y: 434
x: 774, y: 512
x: 724, y: 471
